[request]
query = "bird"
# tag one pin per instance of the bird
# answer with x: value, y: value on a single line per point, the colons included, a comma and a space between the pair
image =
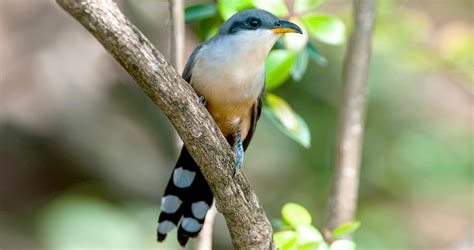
x: 228, y: 74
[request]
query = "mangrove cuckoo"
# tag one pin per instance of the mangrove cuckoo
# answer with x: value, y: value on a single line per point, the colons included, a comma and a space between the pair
x: 228, y: 73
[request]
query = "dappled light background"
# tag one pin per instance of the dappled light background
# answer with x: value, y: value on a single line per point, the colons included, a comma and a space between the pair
x: 85, y: 156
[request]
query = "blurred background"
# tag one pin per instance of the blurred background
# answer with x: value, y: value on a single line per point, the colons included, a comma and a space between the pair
x: 85, y: 155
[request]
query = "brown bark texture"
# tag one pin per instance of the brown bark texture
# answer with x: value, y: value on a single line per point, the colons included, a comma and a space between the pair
x: 245, y: 217
x: 350, y: 125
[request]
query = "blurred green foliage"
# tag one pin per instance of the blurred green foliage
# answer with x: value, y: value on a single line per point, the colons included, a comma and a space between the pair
x: 292, y: 55
x: 417, y: 166
x: 295, y: 232
x: 78, y: 221
x: 283, y: 117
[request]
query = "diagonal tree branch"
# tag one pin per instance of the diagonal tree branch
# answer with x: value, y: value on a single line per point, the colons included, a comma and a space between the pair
x: 345, y: 184
x: 245, y: 217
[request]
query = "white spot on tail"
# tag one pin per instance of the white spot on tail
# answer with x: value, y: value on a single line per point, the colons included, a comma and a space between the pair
x: 170, y: 204
x: 165, y: 227
x: 199, y: 209
x: 191, y: 225
x: 183, y: 178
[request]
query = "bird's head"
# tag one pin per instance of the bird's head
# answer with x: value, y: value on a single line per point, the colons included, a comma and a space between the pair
x: 253, y: 33
x: 254, y: 21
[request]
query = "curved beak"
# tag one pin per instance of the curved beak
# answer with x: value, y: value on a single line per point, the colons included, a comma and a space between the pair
x: 286, y: 27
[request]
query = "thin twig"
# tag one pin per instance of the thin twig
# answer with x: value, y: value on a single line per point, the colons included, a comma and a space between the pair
x: 249, y: 228
x: 345, y: 183
x: 204, y: 241
x: 289, y: 5
x: 177, y: 34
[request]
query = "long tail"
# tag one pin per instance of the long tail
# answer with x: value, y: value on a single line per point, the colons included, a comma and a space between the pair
x: 187, y: 195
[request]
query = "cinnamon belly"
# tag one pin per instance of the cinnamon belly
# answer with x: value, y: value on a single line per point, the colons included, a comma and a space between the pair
x: 232, y: 117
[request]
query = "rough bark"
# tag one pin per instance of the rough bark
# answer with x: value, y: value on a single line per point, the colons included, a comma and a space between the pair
x: 343, y: 198
x: 245, y: 217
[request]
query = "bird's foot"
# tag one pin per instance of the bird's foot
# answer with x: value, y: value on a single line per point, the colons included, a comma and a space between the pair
x: 202, y: 100
x: 239, y: 151
x: 238, y: 164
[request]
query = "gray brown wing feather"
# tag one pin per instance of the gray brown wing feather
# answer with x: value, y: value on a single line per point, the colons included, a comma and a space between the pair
x: 190, y: 64
x: 256, y: 111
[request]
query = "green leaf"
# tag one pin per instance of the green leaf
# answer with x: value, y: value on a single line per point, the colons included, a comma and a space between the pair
x: 278, y: 67
x: 295, y: 214
x: 323, y: 246
x: 285, y: 239
x: 313, y: 246
x: 279, y: 44
x: 207, y: 28
x: 315, y: 55
x: 278, y: 224
x: 343, y: 245
x: 199, y: 12
x: 227, y: 8
x: 307, y: 5
x: 328, y: 29
x: 300, y: 66
x: 308, y: 246
x: 286, y: 120
x: 277, y: 7
x: 347, y: 228
x: 308, y: 234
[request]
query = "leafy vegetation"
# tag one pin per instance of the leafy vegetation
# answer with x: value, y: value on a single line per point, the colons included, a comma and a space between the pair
x: 295, y: 232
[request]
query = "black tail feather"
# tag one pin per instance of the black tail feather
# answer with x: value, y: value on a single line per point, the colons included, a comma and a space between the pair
x: 187, y: 198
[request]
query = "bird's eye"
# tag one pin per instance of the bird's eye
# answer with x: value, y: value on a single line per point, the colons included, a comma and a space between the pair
x: 277, y: 24
x: 254, y: 22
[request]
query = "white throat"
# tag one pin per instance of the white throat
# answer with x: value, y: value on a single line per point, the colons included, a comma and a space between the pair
x: 247, y: 47
x: 234, y: 62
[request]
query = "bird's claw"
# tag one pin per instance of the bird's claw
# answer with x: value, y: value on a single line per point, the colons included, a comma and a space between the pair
x: 239, y: 151
x: 238, y: 164
x: 202, y: 100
